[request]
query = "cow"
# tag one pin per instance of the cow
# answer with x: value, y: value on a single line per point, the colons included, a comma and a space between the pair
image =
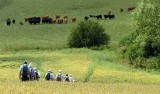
x: 45, y: 19
x: 21, y: 23
x: 34, y: 20
x: 74, y: 19
x: 111, y: 16
x: 106, y: 16
x: 131, y: 8
x: 99, y: 16
x: 86, y: 18
x: 53, y: 20
x: 65, y: 17
x: 8, y: 21
x: 13, y: 21
x: 59, y: 20
x: 65, y: 20
x: 121, y: 10
x: 109, y: 12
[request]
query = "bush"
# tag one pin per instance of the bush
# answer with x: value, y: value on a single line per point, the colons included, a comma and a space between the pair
x: 143, y: 46
x: 88, y: 34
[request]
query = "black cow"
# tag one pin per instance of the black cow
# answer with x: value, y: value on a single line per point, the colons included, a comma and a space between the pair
x: 111, y: 16
x: 99, y: 16
x: 86, y: 18
x: 8, y: 21
x: 46, y: 20
x: 106, y: 16
x: 13, y: 21
x: 34, y: 20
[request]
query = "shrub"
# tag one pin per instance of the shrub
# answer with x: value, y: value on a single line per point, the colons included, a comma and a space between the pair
x: 88, y: 34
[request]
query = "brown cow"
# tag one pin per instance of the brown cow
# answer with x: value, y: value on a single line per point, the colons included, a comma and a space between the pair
x: 65, y: 17
x: 131, y: 8
x: 74, y: 19
x: 59, y: 20
x: 54, y: 21
x: 109, y: 12
x: 65, y: 20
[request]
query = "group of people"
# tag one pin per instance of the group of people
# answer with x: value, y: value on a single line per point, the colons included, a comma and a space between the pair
x: 49, y: 76
x: 27, y: 72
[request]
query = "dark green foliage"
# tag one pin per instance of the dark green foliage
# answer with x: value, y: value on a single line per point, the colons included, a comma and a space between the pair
x: 142, y: 47
x: 88, y: 34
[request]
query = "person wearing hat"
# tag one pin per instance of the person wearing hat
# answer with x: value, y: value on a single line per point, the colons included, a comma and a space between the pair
x: 49, y: 75
x: 24, y: 72
x: 71, y: 78
x: 59, y: 76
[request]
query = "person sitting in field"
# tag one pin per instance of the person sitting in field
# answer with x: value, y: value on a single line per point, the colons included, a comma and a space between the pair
x: 37, y: 74
x: 66, y: 78
x: 71, y: 78
x: 24, y: 72
x: 49, y: 76
x: 59, y: 76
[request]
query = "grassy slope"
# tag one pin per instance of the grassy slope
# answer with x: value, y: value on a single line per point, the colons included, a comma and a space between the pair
x: 54, y: 36
x: 100, y: 66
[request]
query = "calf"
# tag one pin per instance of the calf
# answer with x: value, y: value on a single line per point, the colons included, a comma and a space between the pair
x: 74, y: 19
x: 86, y: 18
x: 8, y: 21
x: 121, y: 9
x: 131, y: 8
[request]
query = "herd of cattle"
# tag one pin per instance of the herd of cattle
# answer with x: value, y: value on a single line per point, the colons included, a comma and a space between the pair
x: 47, y: 19
x: 59, y: 20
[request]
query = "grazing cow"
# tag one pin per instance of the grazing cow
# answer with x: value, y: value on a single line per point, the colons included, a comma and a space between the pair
x: 86, y: 18
x: 59, y: 20
x: 131, y: 8
x: 13, y: 21
x: 99, y: 16
x: 121, y: 9
x: 54, y: 21
x: 92, y: 16
x: 111, y: 16
x: 106, y: 16
x: 65, y: 17
x: 21, y: 23
x: 74, y: 19
x: 65, y: 20
x: 34, y: 20
x: 46, y: 19
x: 8, y: 21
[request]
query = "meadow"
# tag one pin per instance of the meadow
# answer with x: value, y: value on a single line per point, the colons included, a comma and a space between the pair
x: 45, y: 46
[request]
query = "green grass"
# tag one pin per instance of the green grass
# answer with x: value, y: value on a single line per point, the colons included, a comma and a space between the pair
x: 54, y: 36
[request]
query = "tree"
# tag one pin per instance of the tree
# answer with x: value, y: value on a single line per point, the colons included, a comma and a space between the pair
x: 144, y: 46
